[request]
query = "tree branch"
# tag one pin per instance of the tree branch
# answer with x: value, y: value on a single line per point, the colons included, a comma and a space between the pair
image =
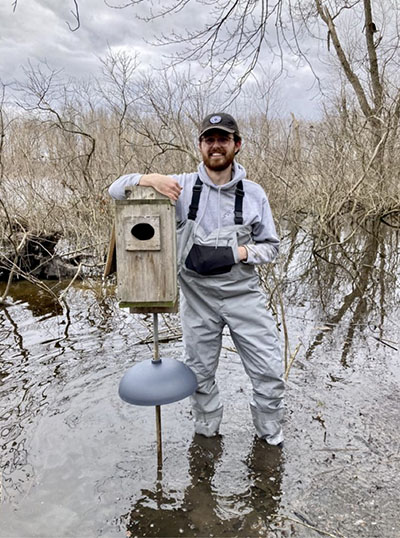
x: 327, y: 18
x: 372, y: 57
x: 76, y: 16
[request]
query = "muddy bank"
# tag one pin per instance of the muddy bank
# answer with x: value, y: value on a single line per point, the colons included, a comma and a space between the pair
x: 77, y: 461
x: 43, y: 256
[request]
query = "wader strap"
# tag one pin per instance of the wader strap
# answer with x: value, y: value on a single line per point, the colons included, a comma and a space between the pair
x: 194, y: 204
x: 239, y: 194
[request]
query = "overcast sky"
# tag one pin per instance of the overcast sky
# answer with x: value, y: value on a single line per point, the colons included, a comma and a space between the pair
x: 37, y: 30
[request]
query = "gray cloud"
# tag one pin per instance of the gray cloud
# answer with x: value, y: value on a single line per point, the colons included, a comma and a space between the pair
x: 38, y: 31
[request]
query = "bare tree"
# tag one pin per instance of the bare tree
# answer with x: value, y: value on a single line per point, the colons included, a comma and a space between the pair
x: 5, y: 123
x: 119, y: 91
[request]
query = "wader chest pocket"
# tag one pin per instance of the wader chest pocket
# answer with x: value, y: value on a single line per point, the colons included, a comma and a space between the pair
x: 208, y: 260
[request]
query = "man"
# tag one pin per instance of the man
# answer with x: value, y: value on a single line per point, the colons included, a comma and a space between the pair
x: 225, y: 228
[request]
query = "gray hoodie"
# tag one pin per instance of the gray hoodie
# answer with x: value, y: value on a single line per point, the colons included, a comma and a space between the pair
x: 216, y: 208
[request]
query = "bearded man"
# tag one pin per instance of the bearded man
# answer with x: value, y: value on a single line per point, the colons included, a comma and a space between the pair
x: 224, y: 229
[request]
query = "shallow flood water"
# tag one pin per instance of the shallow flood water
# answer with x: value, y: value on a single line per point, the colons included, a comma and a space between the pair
x: 78, y: 462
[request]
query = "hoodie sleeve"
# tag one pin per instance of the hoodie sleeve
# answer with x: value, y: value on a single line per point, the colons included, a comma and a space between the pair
x: 117, y: 189
x: 266, y: 242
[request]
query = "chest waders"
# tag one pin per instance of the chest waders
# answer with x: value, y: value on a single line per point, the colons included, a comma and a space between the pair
x: 217, y: 290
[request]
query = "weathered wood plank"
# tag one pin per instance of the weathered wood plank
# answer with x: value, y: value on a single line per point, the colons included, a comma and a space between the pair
x: 111, y: 261
x: 146, y: 250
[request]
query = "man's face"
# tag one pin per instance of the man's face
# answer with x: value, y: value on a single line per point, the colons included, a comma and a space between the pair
x: 218, y: 149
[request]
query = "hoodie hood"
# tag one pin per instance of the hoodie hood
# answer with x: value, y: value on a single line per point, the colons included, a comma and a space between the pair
x: 238, y: 173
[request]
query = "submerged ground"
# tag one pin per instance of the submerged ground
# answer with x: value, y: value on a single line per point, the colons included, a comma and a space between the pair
x: 78, y: 462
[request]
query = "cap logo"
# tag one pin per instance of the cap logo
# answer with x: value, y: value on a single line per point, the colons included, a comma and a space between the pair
x: 215, y: 119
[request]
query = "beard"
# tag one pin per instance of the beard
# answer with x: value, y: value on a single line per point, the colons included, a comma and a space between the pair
x: 220, y: 162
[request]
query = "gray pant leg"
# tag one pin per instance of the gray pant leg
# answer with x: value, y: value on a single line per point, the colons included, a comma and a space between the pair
x: 202, y: 337
x: 254, y: 333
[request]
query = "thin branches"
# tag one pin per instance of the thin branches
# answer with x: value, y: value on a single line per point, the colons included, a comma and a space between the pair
x: 75, y: 13
x: 14, y: 267
x: 354, y: 80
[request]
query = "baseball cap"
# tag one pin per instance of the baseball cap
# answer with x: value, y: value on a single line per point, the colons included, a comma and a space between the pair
x: 221, y: 121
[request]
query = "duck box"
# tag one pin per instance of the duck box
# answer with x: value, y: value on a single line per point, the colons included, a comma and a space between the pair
x: 145, y: 235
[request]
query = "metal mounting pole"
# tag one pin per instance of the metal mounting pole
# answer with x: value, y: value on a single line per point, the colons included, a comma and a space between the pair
x: 158, y: 407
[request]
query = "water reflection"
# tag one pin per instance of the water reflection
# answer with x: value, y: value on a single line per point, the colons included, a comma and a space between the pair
x: 35, y: 299
x: 206, y: 511
x: 59, y: 373
x: 349, y: 277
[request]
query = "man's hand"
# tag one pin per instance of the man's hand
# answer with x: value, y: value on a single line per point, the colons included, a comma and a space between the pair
x: 166, y: 185
x: 242, y: 254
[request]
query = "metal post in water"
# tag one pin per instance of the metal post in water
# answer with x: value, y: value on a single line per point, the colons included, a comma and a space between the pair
x: 156, y: 382
x: 159, y: 439
x: 158, y: 407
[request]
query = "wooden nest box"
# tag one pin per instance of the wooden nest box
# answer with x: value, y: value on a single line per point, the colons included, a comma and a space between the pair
x: 145, y: 232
